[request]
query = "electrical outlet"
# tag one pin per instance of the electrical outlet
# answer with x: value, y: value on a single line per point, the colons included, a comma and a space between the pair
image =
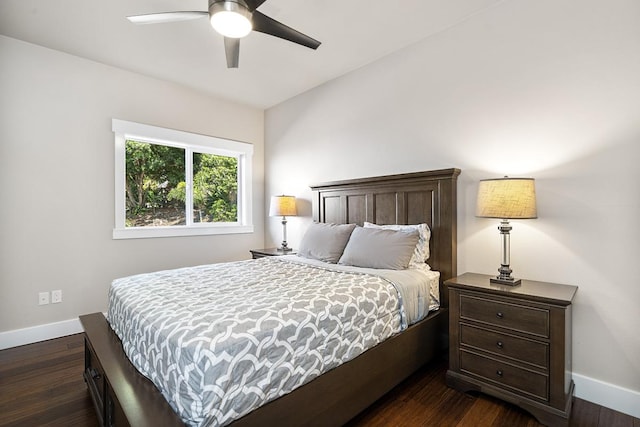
x: 43, y: 298
x: 56, y: 296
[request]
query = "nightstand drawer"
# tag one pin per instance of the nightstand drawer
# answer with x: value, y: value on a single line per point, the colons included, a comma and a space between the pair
x: 521, y: 381
x: 520, y: 349
x: 505, y: 315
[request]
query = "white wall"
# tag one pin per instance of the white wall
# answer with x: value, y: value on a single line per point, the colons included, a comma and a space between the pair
x: 57, y: 179
x: 547, y: 89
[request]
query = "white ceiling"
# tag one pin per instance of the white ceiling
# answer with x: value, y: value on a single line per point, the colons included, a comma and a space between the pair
x: 353, y: 33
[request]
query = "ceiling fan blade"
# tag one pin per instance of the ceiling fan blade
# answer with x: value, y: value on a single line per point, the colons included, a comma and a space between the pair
x: 254, y: 4
x: 232, y: 50
x: 266, y: 25
x: 159, y: 18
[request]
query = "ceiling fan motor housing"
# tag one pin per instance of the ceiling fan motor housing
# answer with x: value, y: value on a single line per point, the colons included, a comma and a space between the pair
x: 228, y: 5
x: 231, y: 18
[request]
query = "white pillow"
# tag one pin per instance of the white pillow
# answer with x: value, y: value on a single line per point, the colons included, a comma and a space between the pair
x: 376, y: 248
x: 325, y: 242
x: 421, y: 253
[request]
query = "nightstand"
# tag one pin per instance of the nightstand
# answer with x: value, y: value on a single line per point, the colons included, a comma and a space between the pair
x: 259, y: 253
x: 513, y: 342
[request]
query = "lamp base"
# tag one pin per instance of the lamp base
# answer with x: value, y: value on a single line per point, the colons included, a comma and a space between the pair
x: 510, y: 281
x: 284, y: 249
x: 505, y: 278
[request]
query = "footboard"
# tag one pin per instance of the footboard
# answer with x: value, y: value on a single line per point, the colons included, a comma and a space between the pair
x: 121, y: 395
x: 337, y: 396
x: 124, y: 397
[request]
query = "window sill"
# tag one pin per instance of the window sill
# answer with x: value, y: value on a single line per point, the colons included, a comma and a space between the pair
x: 179, y: 231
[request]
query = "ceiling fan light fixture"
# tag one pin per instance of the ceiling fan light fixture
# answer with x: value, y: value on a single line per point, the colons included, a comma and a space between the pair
x: 231, y: 19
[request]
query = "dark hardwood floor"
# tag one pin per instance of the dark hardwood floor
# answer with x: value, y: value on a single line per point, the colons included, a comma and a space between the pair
x: 41, y: 385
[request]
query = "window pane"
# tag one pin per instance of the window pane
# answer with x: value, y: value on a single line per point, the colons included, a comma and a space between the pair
x: 215, y: 188
x: 154, y: 187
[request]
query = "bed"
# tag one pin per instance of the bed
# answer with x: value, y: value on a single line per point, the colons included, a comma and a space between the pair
x: 123, y: 396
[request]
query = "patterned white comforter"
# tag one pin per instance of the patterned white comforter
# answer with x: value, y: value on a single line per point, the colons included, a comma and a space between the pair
x: 221, y: 340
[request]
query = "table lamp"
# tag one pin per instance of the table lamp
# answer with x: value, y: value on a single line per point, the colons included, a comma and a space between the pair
x: 506, y: 198
x: 283, y: 206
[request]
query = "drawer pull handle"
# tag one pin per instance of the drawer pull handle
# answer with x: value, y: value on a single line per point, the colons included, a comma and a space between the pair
x: 499, y: 315
x: 499, y: 344
x: 499, y: 373
x: 94, y: 374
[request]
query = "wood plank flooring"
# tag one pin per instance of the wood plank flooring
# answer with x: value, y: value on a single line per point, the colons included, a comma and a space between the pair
x: 41, y: 385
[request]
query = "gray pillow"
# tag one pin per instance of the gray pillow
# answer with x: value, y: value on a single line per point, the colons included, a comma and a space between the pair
x: 421, y: 254
x: 379, y: 248
x: 325, y: 242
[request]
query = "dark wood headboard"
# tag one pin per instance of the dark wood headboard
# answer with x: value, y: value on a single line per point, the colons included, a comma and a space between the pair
x: 412, y: 198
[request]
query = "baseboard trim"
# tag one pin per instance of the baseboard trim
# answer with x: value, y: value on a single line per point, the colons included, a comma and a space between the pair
x: 608, y: 395
x: 34, y: 334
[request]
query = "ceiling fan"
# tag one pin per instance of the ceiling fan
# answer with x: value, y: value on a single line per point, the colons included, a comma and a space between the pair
x: 233, y: 19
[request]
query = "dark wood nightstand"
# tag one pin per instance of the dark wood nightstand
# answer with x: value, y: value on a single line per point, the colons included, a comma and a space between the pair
x: 513, y: 342
x: 259, y: 253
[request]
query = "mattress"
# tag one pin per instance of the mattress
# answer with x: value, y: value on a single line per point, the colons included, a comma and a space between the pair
x: 419, y: 288
x: 221, y: 340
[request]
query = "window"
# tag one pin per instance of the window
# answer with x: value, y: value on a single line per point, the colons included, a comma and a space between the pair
x: 174, y: 183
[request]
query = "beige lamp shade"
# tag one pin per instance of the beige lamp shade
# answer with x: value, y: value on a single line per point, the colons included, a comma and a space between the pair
x: 507, y: 198
x: 283, y: 206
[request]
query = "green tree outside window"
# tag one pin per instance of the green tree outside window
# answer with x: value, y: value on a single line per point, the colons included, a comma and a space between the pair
x: 156, y: 186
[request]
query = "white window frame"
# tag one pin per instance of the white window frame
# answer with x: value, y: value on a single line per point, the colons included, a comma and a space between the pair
x: 190, y: 142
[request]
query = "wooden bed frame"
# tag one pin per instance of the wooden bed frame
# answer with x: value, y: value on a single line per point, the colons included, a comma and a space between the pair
x: 123, y: 396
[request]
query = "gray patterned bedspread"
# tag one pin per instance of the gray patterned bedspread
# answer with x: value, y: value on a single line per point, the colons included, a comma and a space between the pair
x: 221, y: 340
